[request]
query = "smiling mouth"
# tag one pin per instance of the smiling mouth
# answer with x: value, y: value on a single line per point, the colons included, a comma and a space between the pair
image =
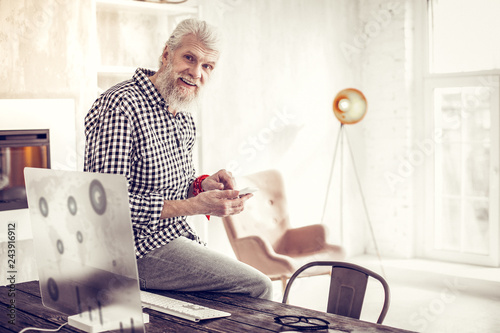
x: 189, y: 83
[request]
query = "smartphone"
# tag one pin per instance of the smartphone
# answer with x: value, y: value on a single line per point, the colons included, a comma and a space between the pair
x: 248, y: 190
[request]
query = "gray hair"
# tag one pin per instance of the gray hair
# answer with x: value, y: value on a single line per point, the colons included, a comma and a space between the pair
x: 204, y: 32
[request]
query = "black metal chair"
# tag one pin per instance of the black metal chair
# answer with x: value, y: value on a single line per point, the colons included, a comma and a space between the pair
x: 347, y: 288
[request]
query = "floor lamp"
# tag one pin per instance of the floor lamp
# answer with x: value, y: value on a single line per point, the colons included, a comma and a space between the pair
x: 349, y: 107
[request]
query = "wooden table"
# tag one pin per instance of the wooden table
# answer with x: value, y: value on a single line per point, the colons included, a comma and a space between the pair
x: 248, y: 314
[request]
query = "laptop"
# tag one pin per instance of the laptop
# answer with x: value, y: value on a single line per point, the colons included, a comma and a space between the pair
x: 84, y: 248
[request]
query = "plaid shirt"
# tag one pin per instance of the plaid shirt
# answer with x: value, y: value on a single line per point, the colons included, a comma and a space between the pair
x: 129, y: 131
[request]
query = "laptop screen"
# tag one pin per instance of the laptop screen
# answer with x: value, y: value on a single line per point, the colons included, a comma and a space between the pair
x: 84, y: 246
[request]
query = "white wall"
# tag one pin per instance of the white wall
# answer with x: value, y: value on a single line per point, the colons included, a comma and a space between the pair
x: 388, y: 73
x: 270, y: 105
x: 284, y: 62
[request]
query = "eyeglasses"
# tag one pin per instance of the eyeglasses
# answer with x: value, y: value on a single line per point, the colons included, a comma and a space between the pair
x: 302, y: 323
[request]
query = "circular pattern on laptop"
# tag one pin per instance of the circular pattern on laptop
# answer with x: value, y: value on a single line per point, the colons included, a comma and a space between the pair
x: 72, y: 205
x: 79, y: 237
x: 53, y: 289
x: 97, y: 197
x: 44, y: 207
x: 60, y: 246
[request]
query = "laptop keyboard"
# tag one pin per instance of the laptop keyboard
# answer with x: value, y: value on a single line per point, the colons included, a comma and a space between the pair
x: 179, y: 308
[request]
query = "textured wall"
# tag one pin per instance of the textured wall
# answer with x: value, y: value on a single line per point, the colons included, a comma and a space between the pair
x: 47, y: 51
x: 387, y: 73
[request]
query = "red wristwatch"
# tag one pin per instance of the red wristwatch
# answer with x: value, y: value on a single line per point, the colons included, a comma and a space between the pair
x: 197, y: 188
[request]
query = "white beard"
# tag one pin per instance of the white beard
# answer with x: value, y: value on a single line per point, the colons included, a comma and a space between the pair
x: 172, y: 94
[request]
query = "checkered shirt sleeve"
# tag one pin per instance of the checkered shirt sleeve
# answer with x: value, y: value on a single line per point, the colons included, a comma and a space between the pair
x: 129, y: 131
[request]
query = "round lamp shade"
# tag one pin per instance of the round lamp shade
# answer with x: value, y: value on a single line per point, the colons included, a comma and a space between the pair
x: 349, y: 106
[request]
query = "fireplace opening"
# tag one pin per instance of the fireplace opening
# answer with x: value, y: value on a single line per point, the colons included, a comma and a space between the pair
x: 20, y: 149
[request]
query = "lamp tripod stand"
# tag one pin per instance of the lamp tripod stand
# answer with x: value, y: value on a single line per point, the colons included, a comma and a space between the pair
x: 349, y: 107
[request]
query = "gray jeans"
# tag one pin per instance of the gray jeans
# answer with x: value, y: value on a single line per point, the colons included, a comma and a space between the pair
x: 185, y: 265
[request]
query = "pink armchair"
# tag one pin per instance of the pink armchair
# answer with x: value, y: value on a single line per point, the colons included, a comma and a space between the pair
x: 262, y: 237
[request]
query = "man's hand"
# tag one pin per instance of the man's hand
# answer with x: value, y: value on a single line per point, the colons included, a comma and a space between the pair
x: 218, y: 199
x: 221, y: 203
x: 222, y: 180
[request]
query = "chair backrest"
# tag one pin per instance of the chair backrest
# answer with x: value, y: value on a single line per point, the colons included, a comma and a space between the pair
x: 265, y: 214
x: 347, y: 288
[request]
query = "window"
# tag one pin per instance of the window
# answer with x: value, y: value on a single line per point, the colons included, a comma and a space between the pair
x: 461, y: 92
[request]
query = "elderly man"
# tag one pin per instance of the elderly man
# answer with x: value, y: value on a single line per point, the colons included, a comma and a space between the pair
x: 140, y: 128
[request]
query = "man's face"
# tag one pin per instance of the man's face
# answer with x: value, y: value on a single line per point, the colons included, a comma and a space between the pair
x: 185, y: 71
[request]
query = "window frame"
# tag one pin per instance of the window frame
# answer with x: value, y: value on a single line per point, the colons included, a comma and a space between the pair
x: 429, y: 82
